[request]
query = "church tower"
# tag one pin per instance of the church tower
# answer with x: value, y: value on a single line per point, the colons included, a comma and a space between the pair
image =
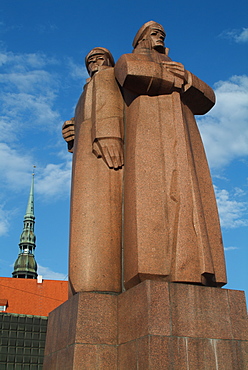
x: 25, y: 266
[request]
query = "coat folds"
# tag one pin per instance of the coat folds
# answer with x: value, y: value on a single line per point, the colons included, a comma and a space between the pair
x: 96, y: 197
x: 171, y: 223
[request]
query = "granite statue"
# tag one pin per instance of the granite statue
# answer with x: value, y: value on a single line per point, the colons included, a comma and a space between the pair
x: 171, y: 222
x: 95, y: 136
x: 171, y: 229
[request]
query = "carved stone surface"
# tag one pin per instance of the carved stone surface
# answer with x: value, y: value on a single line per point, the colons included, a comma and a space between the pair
x: 171, y: 224
x: 154, y: 325
x: 82, y: 333
x: 96, y: 198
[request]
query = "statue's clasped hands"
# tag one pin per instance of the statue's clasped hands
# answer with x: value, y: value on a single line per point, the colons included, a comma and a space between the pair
x: 178, y: 70
x: 110, y: 150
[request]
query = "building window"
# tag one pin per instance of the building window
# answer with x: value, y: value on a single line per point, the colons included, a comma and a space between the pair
x: 3, y: 305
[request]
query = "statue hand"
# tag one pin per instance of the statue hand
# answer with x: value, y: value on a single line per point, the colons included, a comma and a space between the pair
x: 110, y: 150
x: 68, y: 130
x: 177, y: 69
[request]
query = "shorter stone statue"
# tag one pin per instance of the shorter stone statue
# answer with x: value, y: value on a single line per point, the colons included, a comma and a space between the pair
x: 95, y: 136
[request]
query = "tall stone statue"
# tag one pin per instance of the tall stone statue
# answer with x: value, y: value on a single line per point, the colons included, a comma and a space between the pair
x: 95, y: 136
x: 171, y: 223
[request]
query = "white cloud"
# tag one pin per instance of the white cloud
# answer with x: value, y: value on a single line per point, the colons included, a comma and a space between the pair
x: 239, y: 192
x: 4, y: 221
x: 55, y: 180
x: 225, y: 128
x: 51, y: 181
x: 46, y: 273
x: 239, y: 36
x: 3, y: 58
x: 77, y: 71
x: 220, y: 177
x: 230, y: 248
x: 6, y: 216
x: 23, y: 61
x: 232, y: 213
x: 7, y: 130
x: 30, y: 110
x: 26, y: 81
x: 243, y: 36
x: 14, y: 166
x: 28, y: 93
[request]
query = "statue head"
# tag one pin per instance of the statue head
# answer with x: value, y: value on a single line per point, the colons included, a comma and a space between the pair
x: 97, y: 58
x: 150, y: 36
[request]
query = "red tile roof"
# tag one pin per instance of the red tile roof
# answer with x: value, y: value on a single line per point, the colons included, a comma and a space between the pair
x: 26, y: 296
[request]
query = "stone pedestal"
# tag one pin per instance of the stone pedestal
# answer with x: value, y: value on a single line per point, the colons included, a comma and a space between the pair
x: 155, y: 325
x: 182, y: 326
x: 82, y: 333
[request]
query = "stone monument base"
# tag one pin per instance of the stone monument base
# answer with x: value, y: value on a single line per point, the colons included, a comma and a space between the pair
x: 155, y: 325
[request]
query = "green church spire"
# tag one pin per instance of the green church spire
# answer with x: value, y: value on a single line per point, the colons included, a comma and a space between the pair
x: 30, y: 206
x: 25, y: 266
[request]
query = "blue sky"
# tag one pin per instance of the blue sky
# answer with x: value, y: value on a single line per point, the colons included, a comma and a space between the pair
x: 42, y: 73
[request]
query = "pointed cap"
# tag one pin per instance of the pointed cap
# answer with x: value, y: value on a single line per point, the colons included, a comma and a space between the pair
x: 99, y: 50
x: 141, y: 32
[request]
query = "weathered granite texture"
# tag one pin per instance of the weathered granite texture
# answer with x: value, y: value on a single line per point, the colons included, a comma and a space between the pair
x: 171, y: 223
x: 154, y: 325
x: 82, y: 333
x: 96, y: 196
x: 173, y: 315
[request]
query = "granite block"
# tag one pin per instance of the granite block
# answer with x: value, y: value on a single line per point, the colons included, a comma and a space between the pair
x: 159, y: 308
x: 159, y: 353
x: 144, y: 310
x: 127, y: 356
x: 143, y: 353
x: 195, y: 310
x: 50, y: 338
x: 62, y: 326
x: 50, y: 361
x: 154, y: 325
x: 65, y: 359
x: 71, y: 315
x: 100, y: 357
x: 52, y: 333
x: 177, y: 348
x: 133, y: 313
x: 224, y: 355
x: 243, y: 353
x: 97, y: 319
x: 67, y: 318
x: 238, y: 314
x: 201, y: 353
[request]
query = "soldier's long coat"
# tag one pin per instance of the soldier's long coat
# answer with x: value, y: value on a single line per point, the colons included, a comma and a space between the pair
x: 96, y: 197
x: 171, y: 223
